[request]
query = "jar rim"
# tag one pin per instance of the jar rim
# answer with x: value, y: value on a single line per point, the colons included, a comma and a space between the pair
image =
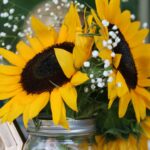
x: 76, y: 128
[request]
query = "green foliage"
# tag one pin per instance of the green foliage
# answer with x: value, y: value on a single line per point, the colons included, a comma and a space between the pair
x: 111, y: 126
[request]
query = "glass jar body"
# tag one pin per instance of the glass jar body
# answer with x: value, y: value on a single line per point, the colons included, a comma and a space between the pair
x: 80, y: 136
x: 60, y: 143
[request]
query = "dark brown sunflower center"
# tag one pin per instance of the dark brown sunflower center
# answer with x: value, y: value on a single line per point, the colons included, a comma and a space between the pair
x: 43, y: 72
x: 127, y: 66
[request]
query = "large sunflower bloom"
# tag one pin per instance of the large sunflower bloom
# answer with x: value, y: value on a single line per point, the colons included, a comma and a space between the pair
x: 122, y: 43
x: 35, y: 77
x: 123, y: 144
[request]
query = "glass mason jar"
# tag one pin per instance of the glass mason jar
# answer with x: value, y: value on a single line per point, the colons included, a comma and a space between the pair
x: 81, y: 136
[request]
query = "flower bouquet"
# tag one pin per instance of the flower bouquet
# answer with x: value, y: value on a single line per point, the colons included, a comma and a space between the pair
x: 99, y: 69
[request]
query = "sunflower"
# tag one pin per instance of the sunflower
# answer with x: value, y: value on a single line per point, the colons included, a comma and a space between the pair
x: 34, y: 76
x: 123, y: 144
x: 122, y: 43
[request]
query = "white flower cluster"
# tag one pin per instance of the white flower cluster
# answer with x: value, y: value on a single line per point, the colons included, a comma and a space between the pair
x: 114, y: 39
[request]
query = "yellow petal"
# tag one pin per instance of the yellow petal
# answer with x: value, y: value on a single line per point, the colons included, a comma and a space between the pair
x: 145, y: 93
x: 7, y: 80
x: 62, y: 34
x: 10, y: 70
x: 38, y: 104
x: 72, y: 23
x: 136, y: 109
x: 124, y: 21
x: 56, y: 103
x: 106, y: 54
x: 46, y: 36
x: 104, y: 30
x: 138, y: 38
x: 121, y: 85
x: 12, y: 58
x: 36, y: 44
x: 12, y: 87
x: 7, y: 95
x: 132, y: 30
x: 25, y: 51
x: 63, y: 120
x: 139, y: 106
x: 112, y: 91
x: 144, y: 82
x: 79, y: 78
x: 82, y: 50
x: 5, y: 109
x: 69, y: 95
x: 97, y: 19
x: 15, y: 111
x: 102, y: 8
x: 123, y: 104
x: 113, y: 10
x: 116, y: 60
x: 26, y: 115
x: 65, y: 60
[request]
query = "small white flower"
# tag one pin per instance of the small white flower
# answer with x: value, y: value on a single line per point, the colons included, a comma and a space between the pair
x: 95, y: 53
x: 99, y: 79
x: 91, y: 75
x: 105, y: 23
x: 20, y: 34
x: 119, y: 84
x: 86, y: 89
x: 115, y: 44
x: 105, y: 73
x: 12, y: 10
x: 8, y: 47
x: 109, y: 41
x: 114, y: 27
x: 10, y: 17
x: 110, y: 72
x: 117, y: 40
x: 82, y: 6
x: 22, y: 17
x: 5, y: 2
x: 86, y: 64
x: 109, y: 47
x: 117, y: 32
x: 133, y: 17
x: 15, y: 26
x: 105, y: 43
x: 111, y: 33
x: 93, y: 86
x: 110, y: 79
x: 106, y: 63
x: 2, y: 34
x: 101, y: 84
x: 145, y: 25
x: 93, y: 81
x: 3, y: 44
x: 5, y: 14
x: 113, y: 54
